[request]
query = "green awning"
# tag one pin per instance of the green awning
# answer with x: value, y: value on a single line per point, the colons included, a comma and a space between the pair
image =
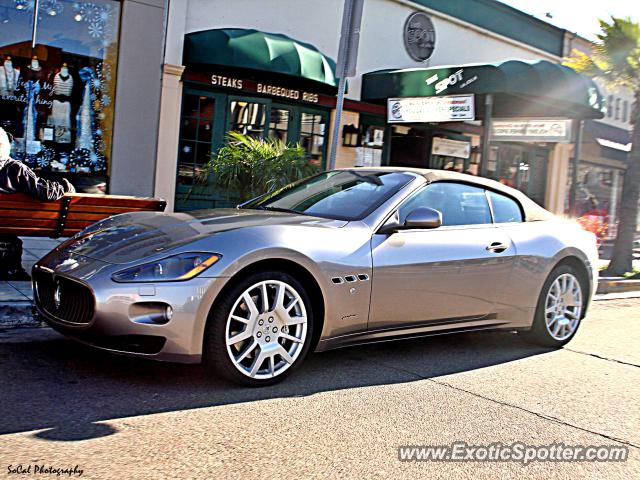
x: 255, y: 50
x: 522, y: 89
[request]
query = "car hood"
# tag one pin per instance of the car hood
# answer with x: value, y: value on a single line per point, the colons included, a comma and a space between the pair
x: 135, y: 236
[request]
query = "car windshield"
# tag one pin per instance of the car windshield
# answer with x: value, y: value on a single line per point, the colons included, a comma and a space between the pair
x: 339, y: 195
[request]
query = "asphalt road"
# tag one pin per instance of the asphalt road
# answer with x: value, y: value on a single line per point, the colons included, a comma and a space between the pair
x: 342, y: 415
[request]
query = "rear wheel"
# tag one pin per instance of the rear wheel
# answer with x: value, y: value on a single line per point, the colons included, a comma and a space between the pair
x: 560, y: 308
x: 260, y: 329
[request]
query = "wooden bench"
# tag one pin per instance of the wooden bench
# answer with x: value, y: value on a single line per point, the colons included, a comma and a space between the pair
x: 29, y: 217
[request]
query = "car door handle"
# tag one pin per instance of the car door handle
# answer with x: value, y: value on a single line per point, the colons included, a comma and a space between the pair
x: 497, y: 247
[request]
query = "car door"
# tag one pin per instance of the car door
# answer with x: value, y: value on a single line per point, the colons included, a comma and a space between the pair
x: 451, y: 273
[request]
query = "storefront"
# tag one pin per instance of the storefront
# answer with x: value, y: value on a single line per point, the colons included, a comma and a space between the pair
x: 440, y: 118
x: 58, y: 63
x: 601, y: 170
x: 259, y: 84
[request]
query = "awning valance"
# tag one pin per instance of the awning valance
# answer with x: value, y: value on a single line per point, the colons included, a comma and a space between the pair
x: 256, y: 50
x: 522, y: 89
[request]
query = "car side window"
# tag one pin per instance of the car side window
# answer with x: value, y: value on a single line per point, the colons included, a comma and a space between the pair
x: 460, y: 204
x: 505, y: 209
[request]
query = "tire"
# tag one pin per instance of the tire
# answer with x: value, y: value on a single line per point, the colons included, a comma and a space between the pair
x: 557, y: 321
x: 243, y: 329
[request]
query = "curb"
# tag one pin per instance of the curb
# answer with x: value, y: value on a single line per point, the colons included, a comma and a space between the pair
x: 618, y: 286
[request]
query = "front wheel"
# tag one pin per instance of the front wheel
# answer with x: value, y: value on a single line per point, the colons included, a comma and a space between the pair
x: 260, y: 330
x: 560, y: 308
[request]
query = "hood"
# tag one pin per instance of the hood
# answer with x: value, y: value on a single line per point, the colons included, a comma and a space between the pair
x: 135, y: 236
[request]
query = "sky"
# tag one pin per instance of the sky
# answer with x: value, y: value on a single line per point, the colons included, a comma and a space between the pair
x: 579, y: 16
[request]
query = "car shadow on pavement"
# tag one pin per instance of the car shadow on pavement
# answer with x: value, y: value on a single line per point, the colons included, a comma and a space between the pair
x: 63, y: 390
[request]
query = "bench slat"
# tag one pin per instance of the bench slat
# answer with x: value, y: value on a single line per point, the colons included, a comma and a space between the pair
x: 26, y: 216
x: 48, y: 214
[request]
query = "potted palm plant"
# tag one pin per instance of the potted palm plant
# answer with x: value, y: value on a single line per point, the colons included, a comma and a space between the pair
x: 246, y: 167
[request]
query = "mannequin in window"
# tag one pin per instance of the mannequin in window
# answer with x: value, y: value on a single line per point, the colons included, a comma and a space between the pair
x: 34, y: 70
x: 9, y: 77
x: 10, y: 83
x: 61, y: 105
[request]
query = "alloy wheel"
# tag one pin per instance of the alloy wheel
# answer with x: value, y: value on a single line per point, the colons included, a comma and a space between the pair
x: 563, y: 306
x: 266, y: 329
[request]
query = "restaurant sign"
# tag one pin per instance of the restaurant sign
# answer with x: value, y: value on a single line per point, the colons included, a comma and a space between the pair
x: 263, y: 88
x: 430, y: 109
x: 532, y: 130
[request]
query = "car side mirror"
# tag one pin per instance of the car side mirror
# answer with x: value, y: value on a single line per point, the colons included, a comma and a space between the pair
x: 422, y: 217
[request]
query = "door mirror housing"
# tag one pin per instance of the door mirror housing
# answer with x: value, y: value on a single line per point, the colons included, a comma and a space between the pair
x: 422, y: 217
x: 419, y: 218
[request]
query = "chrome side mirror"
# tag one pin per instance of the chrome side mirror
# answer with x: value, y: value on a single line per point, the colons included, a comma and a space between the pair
x: 423, y: 217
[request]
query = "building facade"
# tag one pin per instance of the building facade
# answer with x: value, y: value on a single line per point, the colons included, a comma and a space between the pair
x: 604, y: 156
x: 157, y: 84
x: 209, y: 91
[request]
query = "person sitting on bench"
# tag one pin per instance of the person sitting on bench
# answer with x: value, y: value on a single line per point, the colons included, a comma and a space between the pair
x: 16, y: 177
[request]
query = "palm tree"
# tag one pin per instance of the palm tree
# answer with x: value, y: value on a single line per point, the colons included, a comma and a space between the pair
x: 615, y: 59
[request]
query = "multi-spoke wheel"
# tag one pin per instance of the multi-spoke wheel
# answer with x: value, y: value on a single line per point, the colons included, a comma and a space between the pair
x: 560, y: 308
x: 261, y: 329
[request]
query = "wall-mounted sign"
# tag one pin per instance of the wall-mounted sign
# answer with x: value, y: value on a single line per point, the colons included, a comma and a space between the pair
x: 531, y: 130
x: 419, y: 36
x: 263, y: 88
x: 430, y: 109
x: 450, y: 148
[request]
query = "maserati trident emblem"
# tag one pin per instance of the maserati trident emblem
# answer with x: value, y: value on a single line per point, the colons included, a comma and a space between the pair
x: 57, y: 296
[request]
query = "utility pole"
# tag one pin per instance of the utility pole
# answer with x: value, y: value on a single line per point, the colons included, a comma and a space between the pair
x: 575, y: 163
x: 346, y: 66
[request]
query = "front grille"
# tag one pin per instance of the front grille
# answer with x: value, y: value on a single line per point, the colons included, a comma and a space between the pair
x: 63, y: 299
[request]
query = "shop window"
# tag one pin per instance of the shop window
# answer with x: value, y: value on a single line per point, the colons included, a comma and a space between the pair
x: 279, y: 123
x: 598, y: 196
x: 195, y: 136
x: 57, y: 85
x: 312, y: 135
x: 247, y: 118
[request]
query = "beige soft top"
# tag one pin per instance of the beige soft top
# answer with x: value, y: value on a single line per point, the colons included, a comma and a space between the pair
x: 532, y: 211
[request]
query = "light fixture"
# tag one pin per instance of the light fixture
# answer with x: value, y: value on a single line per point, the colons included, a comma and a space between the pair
x: 350, y: 134
x: 52, y: 7
x: 5, y: 17
x: 77, y: 17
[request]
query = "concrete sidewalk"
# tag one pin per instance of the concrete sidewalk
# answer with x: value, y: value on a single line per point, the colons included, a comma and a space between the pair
x: 16, y: 298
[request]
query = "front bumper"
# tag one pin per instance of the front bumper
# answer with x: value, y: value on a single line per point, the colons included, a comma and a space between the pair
x: 122, y: 318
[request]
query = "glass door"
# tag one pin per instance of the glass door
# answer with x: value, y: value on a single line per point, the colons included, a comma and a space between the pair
x: 313, y: 133
x: 281, y: 122
x: 200, y: 133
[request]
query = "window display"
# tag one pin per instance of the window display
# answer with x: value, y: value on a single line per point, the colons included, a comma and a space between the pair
x: 57, y: 82
x: 597, y: 197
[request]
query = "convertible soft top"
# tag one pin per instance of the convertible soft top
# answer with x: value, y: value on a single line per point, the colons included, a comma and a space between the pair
x: 532, y: 211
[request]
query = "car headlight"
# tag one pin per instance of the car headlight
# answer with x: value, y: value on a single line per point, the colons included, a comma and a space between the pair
x: 183, y: 266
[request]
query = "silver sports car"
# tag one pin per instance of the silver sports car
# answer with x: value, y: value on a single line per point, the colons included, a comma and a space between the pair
x: 344, y: 257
